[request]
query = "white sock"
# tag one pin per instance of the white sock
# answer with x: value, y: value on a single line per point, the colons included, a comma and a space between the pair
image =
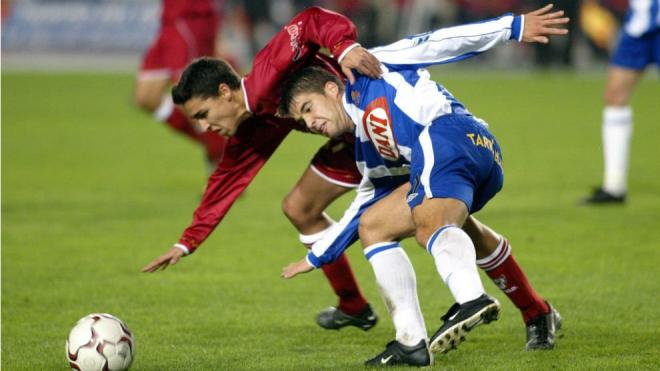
x: 617, y: 131
x: 165, y: 109
x: 455, y: 258
x: 398, y: 287
x: 310, y: 239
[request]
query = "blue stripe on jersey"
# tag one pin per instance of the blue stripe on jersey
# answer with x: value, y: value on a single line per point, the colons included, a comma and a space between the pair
x: 434, y: 236
x: 399, y: 67
x: 390, y: 181
x: 382, y: 248
x: 314, y: 260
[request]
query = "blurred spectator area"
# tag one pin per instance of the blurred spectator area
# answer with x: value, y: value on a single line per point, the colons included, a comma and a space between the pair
x: 109, y: 29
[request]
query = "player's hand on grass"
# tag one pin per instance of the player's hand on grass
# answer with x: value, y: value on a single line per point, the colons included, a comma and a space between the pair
x: 364, y: 62
x: 540, y: 24
x: 171, y: 257
x: 296, y: 268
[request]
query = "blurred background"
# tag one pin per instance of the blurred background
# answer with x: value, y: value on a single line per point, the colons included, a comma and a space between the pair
x: 112, y: 34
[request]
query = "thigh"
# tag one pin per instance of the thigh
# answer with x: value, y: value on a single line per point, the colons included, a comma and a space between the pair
x: 389, y: 219
x: 149, y: 91
x: 312, y: 194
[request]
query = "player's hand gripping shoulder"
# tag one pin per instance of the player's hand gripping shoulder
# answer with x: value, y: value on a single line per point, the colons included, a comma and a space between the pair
x: 540, y: 24
x: 360, y: 59
x: 171, y: 257
x: 296, y: 268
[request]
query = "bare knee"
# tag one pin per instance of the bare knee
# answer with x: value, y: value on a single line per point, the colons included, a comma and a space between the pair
x: 614, y: 96
x: 145, y: 101
x: 303, y: 215
x: 370, y: 231
x: 422, y: 235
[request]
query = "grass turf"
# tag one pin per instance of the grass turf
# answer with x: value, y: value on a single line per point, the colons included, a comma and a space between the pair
x: 93, y: 190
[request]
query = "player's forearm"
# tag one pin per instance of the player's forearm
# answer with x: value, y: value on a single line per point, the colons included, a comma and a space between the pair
x: 246, y: 153
x: 452, y: 44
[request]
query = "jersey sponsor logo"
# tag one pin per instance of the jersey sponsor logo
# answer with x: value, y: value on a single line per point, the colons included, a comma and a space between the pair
x: 377, y: 125
x: 294, y: 32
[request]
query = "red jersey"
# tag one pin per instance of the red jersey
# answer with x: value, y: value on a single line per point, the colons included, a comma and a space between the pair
x: 295, y: 46
x: 174, y: 9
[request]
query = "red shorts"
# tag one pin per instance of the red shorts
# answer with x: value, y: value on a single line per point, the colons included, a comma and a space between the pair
x: 177, y: 44
x: 335, y: 162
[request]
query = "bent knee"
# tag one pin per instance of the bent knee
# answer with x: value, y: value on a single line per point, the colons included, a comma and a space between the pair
x: 298, y: 211
x: 147, y: 102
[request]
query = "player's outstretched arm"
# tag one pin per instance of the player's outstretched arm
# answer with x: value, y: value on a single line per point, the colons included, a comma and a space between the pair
x: 296, y: 268
x: 171, y: 257
x: 540, y: 24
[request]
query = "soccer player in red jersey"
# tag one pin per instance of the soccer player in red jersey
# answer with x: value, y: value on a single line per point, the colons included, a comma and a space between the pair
x: 251, y: 103
x: 242, y: 109
x: 187, y: 31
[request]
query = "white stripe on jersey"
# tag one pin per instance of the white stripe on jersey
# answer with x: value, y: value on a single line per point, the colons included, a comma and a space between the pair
x: 640, y: 17
x: 382, y: 170
x: 429, y: 159
x: 423, y: 102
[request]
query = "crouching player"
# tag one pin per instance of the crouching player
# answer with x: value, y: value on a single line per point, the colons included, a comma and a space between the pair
x: 410, y: 129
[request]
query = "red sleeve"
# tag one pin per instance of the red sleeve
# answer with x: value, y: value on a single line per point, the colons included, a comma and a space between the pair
x: 291, y: 48
x: 246, y: 153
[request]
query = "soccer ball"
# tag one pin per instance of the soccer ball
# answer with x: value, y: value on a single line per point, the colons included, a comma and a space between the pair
x: 100, y: 341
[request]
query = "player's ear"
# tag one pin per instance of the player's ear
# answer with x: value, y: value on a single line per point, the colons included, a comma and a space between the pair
x: 224, y: 91
x: 331, y: 88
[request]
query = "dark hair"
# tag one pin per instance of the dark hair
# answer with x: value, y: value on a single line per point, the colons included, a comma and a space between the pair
x: 202, y: 77
x: 306, y: 80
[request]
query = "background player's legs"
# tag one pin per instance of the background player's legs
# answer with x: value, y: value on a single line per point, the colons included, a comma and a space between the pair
x: 304, y: 206
x: 617, y: 128
x: 151, y: 94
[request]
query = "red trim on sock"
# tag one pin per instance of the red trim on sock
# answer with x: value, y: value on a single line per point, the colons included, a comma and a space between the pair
x: 512, y: 281
x: 341, y: 278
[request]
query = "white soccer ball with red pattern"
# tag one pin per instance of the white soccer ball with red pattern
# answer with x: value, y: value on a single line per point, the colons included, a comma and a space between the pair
x: 100, y: 342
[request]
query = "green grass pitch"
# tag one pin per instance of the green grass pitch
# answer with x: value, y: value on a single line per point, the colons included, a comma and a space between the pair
x: 92, y: 190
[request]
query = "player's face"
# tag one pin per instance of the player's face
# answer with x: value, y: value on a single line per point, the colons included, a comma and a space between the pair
x: 323, y: 113
x: 217, y: 114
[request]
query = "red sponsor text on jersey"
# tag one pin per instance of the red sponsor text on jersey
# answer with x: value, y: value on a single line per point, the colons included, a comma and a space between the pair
x: 378, y: 127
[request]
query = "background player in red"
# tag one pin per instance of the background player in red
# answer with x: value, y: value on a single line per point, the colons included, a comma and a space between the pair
x: 187, y: 31
x: 251, y: 102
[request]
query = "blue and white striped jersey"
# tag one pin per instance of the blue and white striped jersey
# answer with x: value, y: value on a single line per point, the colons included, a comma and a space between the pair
x: 389, y: 113
x: 643, y: 16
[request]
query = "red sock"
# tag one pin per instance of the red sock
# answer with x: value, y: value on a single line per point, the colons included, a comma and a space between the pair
x: 502, y: 268
x: 343, y: 282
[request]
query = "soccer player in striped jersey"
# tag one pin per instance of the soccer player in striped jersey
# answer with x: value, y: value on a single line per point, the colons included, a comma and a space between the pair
x: 638, y: 46
x: 413, y: 137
